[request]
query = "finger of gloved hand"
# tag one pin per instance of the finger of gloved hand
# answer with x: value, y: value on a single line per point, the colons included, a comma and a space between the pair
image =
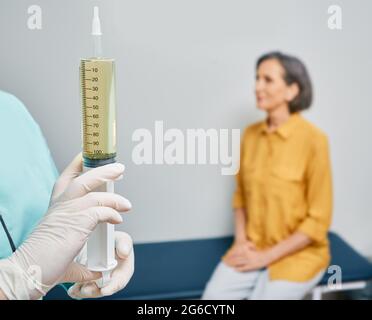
x: 120, y: 276
x: 124, y: 247
x: 72, y: 171
x: 74, y: 290
x: 84, y: 291
x: 119, y: 279
x: 90, y: 290
x: 123, y: 244
x: 103, y: 214
x: 104, y: 199
x: 92, y: 179
x: 77, y: 272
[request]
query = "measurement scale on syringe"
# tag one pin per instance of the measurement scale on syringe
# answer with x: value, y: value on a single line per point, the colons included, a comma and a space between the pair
x: 98, y: 95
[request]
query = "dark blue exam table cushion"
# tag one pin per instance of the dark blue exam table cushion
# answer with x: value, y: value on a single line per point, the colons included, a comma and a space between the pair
x: 181, y: 269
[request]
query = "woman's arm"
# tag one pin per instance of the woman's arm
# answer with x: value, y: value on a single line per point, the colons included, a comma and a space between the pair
x: 241, y: 242
x: 240, y: 223
x: 292, y: 244
x: 319, y: 193
x: 256, y: 259
x: 315, y: 226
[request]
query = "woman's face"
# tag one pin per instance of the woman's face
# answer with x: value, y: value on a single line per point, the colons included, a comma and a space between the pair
x: 271, y: 89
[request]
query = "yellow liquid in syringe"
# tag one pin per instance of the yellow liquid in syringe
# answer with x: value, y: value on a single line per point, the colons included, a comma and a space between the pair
x: 97, y: 81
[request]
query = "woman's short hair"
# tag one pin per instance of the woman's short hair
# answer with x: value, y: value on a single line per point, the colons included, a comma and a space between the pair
x: 295, y: 72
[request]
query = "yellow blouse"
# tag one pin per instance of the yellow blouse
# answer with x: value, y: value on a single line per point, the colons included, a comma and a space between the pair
x: 285, y: 186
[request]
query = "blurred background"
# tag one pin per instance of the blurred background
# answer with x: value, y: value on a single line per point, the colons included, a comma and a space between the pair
x: 191, y: 64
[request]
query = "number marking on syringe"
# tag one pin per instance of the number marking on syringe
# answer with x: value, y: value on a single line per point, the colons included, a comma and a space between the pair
x: 95, y: 107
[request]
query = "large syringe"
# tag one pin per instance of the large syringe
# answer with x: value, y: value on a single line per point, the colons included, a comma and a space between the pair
x: 97, y: 81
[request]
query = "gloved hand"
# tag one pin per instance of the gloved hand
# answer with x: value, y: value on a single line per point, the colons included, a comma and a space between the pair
x: 119, y: 276
x: 85, y: 287
x: 46, y: 257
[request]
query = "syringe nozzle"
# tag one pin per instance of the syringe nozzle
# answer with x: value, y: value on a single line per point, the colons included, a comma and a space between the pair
x: 95, y: 11
x: 96, y: 24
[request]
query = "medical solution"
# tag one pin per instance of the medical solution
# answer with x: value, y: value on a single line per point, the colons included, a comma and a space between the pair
x: 97, y: 77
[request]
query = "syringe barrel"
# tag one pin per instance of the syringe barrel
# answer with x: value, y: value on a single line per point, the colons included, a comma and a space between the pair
x: 97, y: 87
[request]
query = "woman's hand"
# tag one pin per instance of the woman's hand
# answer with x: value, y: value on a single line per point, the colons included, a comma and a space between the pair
x: 238, y: 248
x: 252, y: 260
x: 244, y: 256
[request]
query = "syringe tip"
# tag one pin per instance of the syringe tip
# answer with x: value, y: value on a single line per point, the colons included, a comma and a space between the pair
x: 96, y: 12
x: 96, y: 24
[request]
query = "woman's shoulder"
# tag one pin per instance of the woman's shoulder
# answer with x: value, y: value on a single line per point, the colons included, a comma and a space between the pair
x: 309, y: 128
x: 317, y: 138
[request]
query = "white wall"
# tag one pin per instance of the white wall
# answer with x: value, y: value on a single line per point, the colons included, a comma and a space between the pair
x: 191, y: 64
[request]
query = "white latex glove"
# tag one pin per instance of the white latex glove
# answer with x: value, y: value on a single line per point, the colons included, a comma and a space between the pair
x: 120, y: 276
x: 85, y: 286
x: 46, y: 257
